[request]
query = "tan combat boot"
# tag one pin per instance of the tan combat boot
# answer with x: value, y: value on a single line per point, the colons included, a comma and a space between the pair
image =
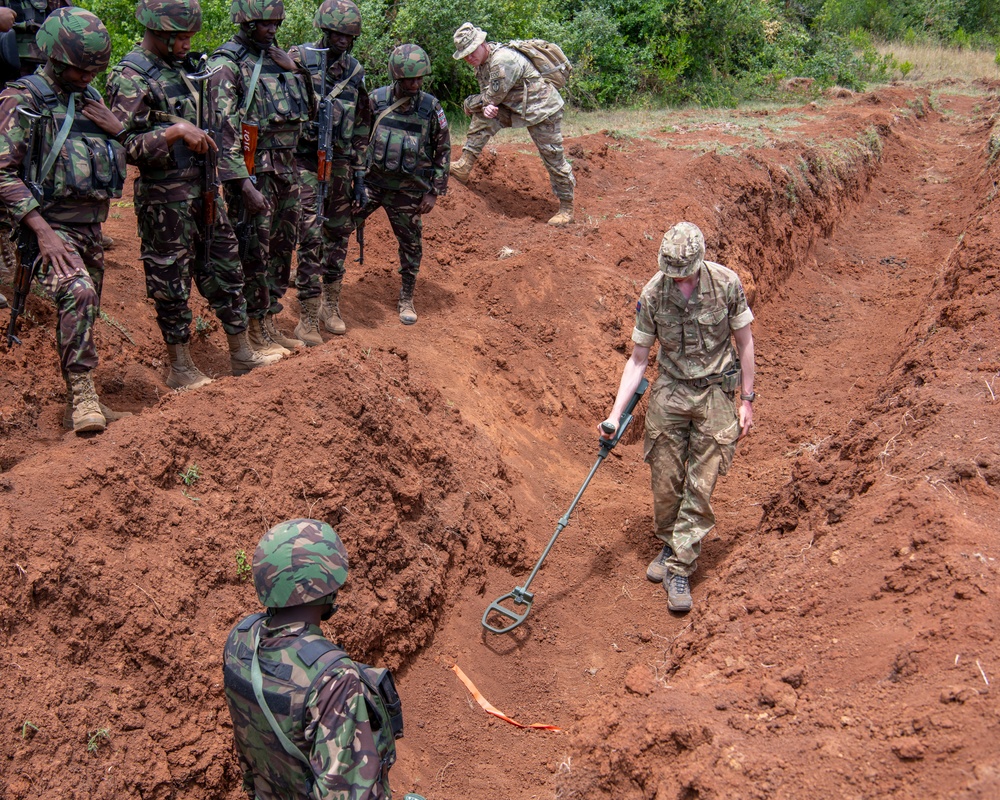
x: 261, y: 342
x: 565, y: 214
x: 407, y: 313
x: 276, y: 336
x: 87, y: 416
x: 462, y: 168
x: 308, y: 328
x: 329, y: 310
x: 243, y: 357
x: 184, y: 373
x: 109, y: 414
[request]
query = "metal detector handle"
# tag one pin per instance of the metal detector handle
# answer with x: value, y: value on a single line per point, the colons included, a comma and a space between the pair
x: 607, y: 445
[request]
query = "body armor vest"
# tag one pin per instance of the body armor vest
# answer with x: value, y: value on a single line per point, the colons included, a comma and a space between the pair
x: 344, y: 111
x: 280, y: 103
x: 402, y: 143
x: 90, y: 167
x: 30, y: 16
x: 286, y: 699
x: 173, y: 98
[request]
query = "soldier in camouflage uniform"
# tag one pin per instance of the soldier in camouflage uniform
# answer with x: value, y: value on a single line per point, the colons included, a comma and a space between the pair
x: 151, y: 93
x: 694, y: 308
x: 264, y: 99
x: 408, y: 161
x: 83, y: 167
x: 323, y: 249
x: 312, y: 691
x: 513, y: 94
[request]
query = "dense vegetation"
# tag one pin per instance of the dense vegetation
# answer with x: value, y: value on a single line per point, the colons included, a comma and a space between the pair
x: 712, y: 52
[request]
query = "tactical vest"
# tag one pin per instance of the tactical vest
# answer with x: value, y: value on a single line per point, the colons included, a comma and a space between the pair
x: 345, y: 105
x: 30, y: 16
x: 173, y: 98
x: 90, y: 167
x: 403, y: 142
x: 286, y: 696
x: 280, y: 104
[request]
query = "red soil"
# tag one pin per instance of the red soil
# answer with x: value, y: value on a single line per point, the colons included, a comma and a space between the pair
x: 842, y: 642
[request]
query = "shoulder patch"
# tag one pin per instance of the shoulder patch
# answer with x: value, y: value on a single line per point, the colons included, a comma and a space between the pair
x: 442, y: 119
x: 638, y: 306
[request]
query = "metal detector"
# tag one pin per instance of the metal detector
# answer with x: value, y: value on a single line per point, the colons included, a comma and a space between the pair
x: 521, y: 597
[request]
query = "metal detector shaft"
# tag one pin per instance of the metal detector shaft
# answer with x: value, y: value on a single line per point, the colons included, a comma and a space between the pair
x: 520, y: 596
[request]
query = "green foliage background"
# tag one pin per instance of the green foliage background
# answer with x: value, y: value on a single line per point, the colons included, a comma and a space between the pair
x: 627, y: 52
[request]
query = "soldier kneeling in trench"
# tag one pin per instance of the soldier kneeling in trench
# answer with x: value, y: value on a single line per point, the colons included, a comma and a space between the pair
x: 308, y: 721
x: 694, y: 308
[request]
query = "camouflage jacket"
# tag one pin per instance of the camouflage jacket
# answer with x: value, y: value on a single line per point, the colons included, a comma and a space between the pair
x: 694, y: 333
x: 411, y: 145
x: 507, y: 78
x: 352, y: 120
x: 87, y: 173
x: 143, y: 91
x: 30, y: 16
x: 318, y: 701
x: 281, y: 102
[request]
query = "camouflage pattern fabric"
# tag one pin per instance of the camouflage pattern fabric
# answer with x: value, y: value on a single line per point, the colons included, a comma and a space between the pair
x: 339, y: 223
x: 298, y: 562
x: 310, y: 236
x: 411, y: 148
x: 169, y: 16
x: 76, y: 37
x: 168, y: 200
x: 691, y: 428
x: 409, y: 61
x: 29, y: 19
x: 403, y: 211
x: 509, y: 80
x: 318, y: 704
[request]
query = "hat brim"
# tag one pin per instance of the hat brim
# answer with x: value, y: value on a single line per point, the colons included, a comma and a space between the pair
x: 479, y: 38
x: 680, y: 272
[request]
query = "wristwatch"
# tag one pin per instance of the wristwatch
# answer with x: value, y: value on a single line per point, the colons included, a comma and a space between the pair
x: 748, y: 397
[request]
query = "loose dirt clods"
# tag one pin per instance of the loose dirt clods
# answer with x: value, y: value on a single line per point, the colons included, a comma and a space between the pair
x: 842, y: 642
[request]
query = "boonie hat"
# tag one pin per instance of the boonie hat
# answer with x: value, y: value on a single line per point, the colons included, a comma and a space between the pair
x: 467, y: 38
x: 682, y: 251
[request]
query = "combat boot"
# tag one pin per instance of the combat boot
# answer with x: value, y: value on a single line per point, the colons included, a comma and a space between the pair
x: 564, y: 216
x: 243, y: 357
x: 87, y: 416
x: 407, y: 313
x: 110, y: 415
x: 678, y: 592
x: 329, y: 309
x: 261, y: 342
x: 657, y: 569
x: 184, y: 373
x: 308, y: 328
x: 462, y: 168
x: 276, y: 336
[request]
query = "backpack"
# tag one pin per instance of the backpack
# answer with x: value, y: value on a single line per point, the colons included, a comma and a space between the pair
x: 547, y: 57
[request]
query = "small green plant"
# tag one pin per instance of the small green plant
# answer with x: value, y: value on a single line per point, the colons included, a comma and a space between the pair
x: 190, y: 476
x: 29, y: 728
x: 905, y: 68
x: 97, y: 738
x: 243, y: 567
x: 202, y: 326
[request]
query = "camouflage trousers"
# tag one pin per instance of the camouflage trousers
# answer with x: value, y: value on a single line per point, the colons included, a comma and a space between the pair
x: 403, y: 211
x: 266, y: 249
x: 547, y: 136
x: 172, y: 256
x: 323, y: 248
x: 690, y: 441
x: 77, y: 296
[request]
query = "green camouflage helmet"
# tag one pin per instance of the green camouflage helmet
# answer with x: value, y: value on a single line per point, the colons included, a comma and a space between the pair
x: 169, y: 16
x: 299, y: 562
x: 409, y: 61
x: 250, y: 10
x: 75, y: 37
x: 340, y: 16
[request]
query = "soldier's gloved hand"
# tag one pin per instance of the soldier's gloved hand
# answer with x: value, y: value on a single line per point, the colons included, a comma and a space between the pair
x: 360, y: 192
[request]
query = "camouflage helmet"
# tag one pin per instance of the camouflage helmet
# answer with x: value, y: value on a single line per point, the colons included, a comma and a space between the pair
x: 339, y: 16
x: 409, y: 61
x: 682, y: 251
x: 75, y: 37
x: 299, y: 562
x: 249, y: 10
x: 169, y: 16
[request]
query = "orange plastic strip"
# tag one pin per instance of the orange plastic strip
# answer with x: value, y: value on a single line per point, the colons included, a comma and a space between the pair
x: 489, y: 708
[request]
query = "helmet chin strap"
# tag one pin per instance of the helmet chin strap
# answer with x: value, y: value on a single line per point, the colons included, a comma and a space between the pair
x: 168, y: 40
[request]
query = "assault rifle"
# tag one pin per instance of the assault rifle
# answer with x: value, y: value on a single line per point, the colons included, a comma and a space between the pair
x: 210, y: 164
x: 324, y: 136
x: 27, y: 243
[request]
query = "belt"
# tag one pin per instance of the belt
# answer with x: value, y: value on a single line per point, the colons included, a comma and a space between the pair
x: 702, y: 383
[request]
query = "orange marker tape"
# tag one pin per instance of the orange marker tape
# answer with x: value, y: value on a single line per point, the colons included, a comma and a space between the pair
x: 489, y: 708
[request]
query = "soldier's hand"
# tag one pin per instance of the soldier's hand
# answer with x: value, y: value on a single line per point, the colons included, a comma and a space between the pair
x: 490, y: 111
x: 51, y: 248
x: 427, y: 203
x: 360, y: 192
x: 102, y: 116
x: 195, y: 139
x: 605, y: 435
x: 281, y: 58
x: 254, y: 201
x: 746, y: 418
x: 7, y: 17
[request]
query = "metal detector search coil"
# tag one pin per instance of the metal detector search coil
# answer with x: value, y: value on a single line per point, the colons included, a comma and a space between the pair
x: 520, y: 596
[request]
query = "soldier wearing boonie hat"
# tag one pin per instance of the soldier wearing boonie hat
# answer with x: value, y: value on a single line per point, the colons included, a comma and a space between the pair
x: 695, y: 309
x: 513, y: 94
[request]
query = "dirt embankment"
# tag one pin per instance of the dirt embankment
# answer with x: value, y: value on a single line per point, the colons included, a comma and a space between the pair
x: 836, y: 643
